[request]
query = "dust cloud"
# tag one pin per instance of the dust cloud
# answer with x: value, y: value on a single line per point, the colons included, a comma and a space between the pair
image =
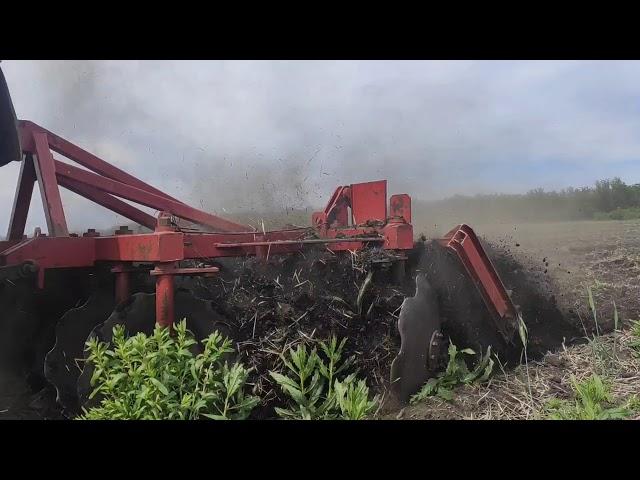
x: 242, y: 138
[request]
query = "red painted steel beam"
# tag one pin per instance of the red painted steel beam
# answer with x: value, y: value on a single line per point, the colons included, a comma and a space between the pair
x: 463, y: 241
x: 275, y: 243
x: 165, y: 296
x: 46, y: 173
x: 63, y: 252
x: 122, y: 286
x: 53, y: 252
x: 64, y: 170
x: 211, y: 245
x: 146, y: 247
x: 110, y: 202
x: 204, y: 245
x: 84, y: 158
x: 4, y: 245
x: 22, y: 199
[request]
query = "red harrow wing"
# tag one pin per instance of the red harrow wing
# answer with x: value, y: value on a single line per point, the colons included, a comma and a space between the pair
x: 43, y: 276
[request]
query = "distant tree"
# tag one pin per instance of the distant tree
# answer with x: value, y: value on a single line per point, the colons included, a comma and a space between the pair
x: 605, y: 197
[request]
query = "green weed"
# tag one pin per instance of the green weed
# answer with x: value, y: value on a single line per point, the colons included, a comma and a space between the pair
x: 158, y: 377
x: 456, y: 373
x: 593, y: 401
x: 318, y: 387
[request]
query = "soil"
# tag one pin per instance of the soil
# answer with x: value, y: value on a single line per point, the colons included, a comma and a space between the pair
x: 573, y: 256
x: 304, y: 298
x: 313, y: 296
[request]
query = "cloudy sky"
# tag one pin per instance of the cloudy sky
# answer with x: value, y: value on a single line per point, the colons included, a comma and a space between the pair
x: 255, y: 134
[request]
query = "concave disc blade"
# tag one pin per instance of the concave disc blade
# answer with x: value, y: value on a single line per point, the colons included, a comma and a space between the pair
x: 17, y: 323
x: 61, y: 366
x: 418, y: 321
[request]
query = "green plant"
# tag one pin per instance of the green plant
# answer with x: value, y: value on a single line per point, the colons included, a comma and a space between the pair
x: 158, y: 377
x: 456, y: 373
x: 593, y: 401
x: 630, y: 213
x: 318, y: 388
x: 353, y: 398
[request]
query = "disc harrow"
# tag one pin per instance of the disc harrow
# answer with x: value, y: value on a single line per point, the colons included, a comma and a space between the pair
x: 60, y: 288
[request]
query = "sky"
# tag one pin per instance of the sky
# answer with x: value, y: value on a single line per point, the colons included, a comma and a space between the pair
x: 255, y: 135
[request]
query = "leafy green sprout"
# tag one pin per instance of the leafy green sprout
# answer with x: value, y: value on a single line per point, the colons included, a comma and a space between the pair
x: 456, y: 373
x: 159, y: 377
x: 593, y: 401
x: 317, y: 387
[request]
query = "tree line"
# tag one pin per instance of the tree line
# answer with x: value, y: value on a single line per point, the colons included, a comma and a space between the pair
x: 606, y: 199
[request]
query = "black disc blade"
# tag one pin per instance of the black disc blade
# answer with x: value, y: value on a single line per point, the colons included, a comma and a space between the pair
x: 418, y: 322
x: 61, y: 366
x: 17, y: 323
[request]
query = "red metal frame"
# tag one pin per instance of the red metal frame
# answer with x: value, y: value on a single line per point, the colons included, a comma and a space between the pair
x: 356, y: 216
x: 22, y: 199
x: 46, y: 173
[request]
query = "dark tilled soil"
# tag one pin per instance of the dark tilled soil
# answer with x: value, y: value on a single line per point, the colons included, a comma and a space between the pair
x: 304, y: 298
x: 467, y: 321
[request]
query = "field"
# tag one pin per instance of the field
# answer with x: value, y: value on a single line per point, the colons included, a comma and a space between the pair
x: 300, y: 301
x: 574, y: 256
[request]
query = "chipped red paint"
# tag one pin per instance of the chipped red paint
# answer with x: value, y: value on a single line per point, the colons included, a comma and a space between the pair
x: 400, y: 207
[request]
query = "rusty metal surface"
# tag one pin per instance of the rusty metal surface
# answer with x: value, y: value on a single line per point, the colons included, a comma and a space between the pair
x: 400, y: 207
x: 9, y: 138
